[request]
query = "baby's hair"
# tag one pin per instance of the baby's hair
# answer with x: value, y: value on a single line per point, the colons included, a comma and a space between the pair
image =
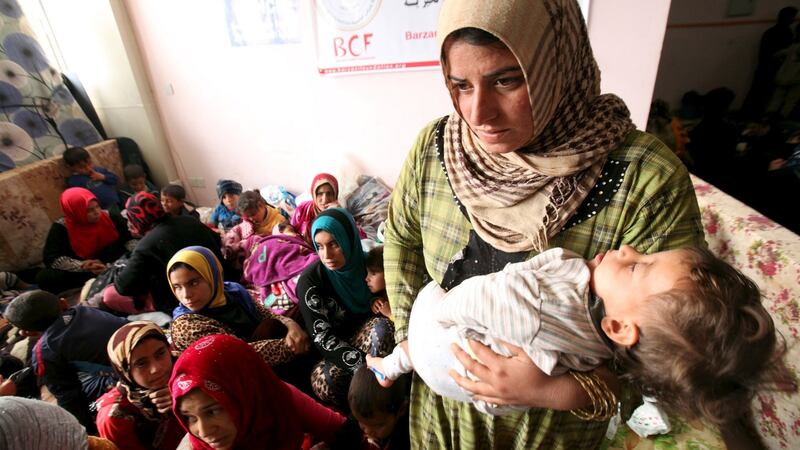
x: 75, y: 155
x: 249, y: 201
x: 175, y: 191
x: 706, y: 345
x: 367, y: 398
x: 374, y: 261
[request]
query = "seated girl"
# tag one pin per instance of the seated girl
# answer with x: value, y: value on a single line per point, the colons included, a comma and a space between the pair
x: 226, y: 397
x: 324, y: 195
x: 335, y: 303
x: 137, y: 413
x: 687, y: 328
x: 209, y: 305
x: 81, y: 244
x: 161, y: 237
x: 258, y: 219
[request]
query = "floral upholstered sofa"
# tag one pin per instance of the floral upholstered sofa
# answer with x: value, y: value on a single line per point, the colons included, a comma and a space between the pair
x: 770, y: 255
x: 29, y: 203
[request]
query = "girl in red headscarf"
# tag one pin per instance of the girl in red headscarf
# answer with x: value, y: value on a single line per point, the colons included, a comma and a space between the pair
x: 227, y: 397
x: 324, y: 195
x: 80, y: 244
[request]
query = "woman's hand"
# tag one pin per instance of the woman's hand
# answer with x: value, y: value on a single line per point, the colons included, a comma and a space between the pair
x: 93, y: 265
x: 296, y: 338
x: 515, y: 380
x: 162, y: 399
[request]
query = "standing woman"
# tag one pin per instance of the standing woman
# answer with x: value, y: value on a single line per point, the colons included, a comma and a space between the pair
x: 137, y: 413
x: 226, y: 397
x: 335, y: 303
x: 324, y: 195
x: 80, y: 244
x: 533, y: 158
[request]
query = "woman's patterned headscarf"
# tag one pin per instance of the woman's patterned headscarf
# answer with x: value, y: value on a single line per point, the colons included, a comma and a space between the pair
x: 232, y: 373
x: 144, y: 212
x: 516, y: 201
x: 119, y: 348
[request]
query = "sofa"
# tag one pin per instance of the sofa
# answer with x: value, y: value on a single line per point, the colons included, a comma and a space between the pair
x: 770, y: 255
x: 30, y: 204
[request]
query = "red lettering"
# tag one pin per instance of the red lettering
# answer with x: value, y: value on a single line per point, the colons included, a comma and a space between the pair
x: 367, y: 37
x: 353, y: 47
x: 338, y: 46
x: 350, y: 45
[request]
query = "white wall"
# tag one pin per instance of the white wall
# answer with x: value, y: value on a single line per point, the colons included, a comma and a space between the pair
x: 263, y: 114
x: 626, y: 38
x: 717, y: 51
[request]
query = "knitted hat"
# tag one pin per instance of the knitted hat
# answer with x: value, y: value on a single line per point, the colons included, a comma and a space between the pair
x: 228, y: 187
x: 33, y: 310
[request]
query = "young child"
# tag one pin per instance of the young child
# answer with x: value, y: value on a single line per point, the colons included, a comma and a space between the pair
x: 376, y: 282
x: 101, y: 181
x: 260, y: 216
x: 135, y: 181
x: 687, y: 328
x: 70, y: 356
x: 379, y: 416
x: 173, y: 200
x: 225, y: 215
x: 258, y: 219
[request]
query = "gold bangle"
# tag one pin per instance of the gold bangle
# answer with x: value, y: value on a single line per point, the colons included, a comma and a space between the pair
x: 604, y: 402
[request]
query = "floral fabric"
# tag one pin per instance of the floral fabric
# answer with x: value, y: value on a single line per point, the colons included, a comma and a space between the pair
x: 770, y: 255
x: 40, y: 117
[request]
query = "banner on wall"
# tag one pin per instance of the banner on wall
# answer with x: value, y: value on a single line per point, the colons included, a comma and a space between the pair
x: 358, y: 36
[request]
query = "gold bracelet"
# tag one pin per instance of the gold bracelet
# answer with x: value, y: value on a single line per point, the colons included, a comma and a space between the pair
x: 604, y: 402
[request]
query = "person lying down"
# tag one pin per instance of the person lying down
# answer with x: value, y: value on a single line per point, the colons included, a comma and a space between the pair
x: 686, y: 327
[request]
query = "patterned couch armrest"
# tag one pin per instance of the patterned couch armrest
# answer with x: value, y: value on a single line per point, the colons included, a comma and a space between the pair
x: 30, y: 204
x: 770, y: 255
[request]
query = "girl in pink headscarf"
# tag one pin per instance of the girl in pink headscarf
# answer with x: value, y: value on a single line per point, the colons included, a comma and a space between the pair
x: 324, y: 195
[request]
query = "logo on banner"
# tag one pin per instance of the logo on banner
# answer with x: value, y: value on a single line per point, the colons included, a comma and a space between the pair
x: 350, y: 14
